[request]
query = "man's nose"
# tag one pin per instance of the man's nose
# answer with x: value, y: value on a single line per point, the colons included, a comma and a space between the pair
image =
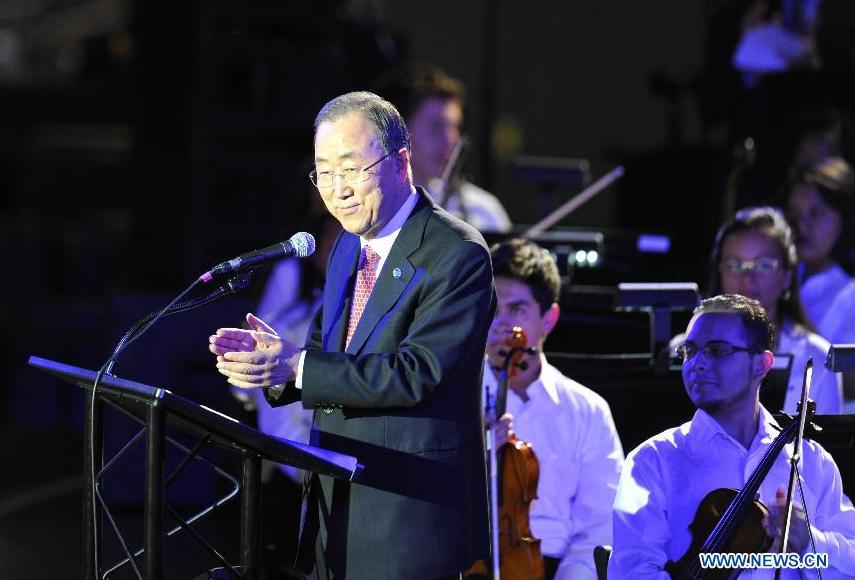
x: 342, y: 187
x: 698, y: 362
x: 746, y: 282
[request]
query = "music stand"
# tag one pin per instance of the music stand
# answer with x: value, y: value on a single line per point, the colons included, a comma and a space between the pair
x: 773, y: 389
x: 841, y: 358
x: 659, y: 300
x: 158, y: 406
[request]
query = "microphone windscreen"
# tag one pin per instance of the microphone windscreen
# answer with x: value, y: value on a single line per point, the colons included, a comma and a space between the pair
x: 303, y: 243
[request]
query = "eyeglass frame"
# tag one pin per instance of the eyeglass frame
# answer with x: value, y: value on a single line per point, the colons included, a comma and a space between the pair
x: 746, y: 266
x: 680, y: 350
x: 313, y: 174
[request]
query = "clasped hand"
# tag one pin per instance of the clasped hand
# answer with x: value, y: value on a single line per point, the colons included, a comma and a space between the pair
x: 799, y: 537
x: 253, y: 359
x: 503, y: 429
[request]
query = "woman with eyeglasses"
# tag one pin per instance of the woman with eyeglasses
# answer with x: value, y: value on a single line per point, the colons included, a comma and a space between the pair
x: 754, y: 255
x: 820, y: 204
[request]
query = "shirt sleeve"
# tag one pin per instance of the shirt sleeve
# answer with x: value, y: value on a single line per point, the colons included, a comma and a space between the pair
x: 298, y: 383
x: 833, y: 520
x: 639, y: 519
x: 601, y: 463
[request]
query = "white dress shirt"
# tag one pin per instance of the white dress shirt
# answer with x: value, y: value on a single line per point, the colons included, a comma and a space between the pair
x: 667, y: 476
x: 572, y: 433
x: 480, y: 208
x: 829, y: 300
x: 826, y: 387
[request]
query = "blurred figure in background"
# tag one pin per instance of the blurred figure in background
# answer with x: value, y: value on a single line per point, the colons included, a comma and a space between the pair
x: 431, y: 103
x: 820, y: 202
x: 290, y: 299
x: 776, y: 38
x: 754, y: 255
x: 802, y: 139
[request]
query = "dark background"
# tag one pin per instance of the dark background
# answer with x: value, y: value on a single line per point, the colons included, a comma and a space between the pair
x: 142, y: 141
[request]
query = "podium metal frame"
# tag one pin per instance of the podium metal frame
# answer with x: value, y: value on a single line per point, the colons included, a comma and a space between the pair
x: 155, y: 407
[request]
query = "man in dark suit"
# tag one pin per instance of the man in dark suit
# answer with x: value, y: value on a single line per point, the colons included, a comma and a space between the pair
x: 392, y: 364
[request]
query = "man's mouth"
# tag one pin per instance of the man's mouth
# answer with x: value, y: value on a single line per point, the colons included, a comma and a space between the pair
x: 348, y: 210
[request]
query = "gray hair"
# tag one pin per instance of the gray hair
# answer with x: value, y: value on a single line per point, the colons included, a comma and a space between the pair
x: 389, y: 126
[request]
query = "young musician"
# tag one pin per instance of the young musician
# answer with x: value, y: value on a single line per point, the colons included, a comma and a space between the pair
x: 755, y: 255
x: 820, y: 204
x: 431, y: 103
x: 569, y: 427
x: 726, y: 353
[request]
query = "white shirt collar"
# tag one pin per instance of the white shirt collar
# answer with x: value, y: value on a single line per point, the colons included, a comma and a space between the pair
x: 382, y: 243
x: 704, y: 428
x: 545, y: 381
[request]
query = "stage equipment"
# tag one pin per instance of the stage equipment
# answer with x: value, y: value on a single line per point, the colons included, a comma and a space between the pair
x: 155, y: 408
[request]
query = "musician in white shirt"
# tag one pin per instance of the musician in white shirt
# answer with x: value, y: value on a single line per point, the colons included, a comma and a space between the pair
x: 726, y: 354
x: 570, y: 427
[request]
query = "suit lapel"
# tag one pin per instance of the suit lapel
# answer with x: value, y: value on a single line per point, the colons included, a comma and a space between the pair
x: 339, y: 291
x: 396, y: 274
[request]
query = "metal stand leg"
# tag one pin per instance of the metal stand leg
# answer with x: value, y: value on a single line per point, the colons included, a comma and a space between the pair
x: 154, y: 493
x: 92, y: 450
x: 250, y: 512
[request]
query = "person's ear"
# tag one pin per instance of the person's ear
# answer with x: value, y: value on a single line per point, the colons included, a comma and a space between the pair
x: 762, y: 364
x: 402, y: 160
x: 550, y: 318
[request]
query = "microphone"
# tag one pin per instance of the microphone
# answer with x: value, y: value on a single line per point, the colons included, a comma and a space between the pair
x: 301, y: 244
x: 236, y: 283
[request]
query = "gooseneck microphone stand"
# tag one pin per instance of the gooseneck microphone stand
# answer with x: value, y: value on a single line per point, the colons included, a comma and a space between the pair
x: 94, y: 418
x: 806, y: 407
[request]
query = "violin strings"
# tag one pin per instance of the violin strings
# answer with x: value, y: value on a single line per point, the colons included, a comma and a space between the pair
x: 722, y: 531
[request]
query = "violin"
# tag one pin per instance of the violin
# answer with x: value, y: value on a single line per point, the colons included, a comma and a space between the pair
x: 519, y: 550
x: 729, y: 520
x: 514, y: 473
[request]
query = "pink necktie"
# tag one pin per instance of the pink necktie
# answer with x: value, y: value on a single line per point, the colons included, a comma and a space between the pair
x: 365, y: 278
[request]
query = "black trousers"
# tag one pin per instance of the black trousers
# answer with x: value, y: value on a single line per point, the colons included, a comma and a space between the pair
x: 550, y: 567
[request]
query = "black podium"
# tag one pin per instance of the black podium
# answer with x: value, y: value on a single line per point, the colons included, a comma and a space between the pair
x: 155, y: 407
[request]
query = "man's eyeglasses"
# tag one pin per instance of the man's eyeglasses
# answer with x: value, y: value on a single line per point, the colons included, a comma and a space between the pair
x: 353, y: 176
x: 714, y: 349
x: 758, y: 266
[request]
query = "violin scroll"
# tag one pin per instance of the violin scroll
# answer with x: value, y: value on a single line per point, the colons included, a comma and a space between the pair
x: 517, y: 347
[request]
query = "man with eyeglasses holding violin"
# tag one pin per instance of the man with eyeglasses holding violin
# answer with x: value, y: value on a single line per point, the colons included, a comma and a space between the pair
x: 392, y: 364
x: 726, y: 354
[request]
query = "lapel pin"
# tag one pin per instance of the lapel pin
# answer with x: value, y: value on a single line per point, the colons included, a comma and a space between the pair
x: 396, y: 273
